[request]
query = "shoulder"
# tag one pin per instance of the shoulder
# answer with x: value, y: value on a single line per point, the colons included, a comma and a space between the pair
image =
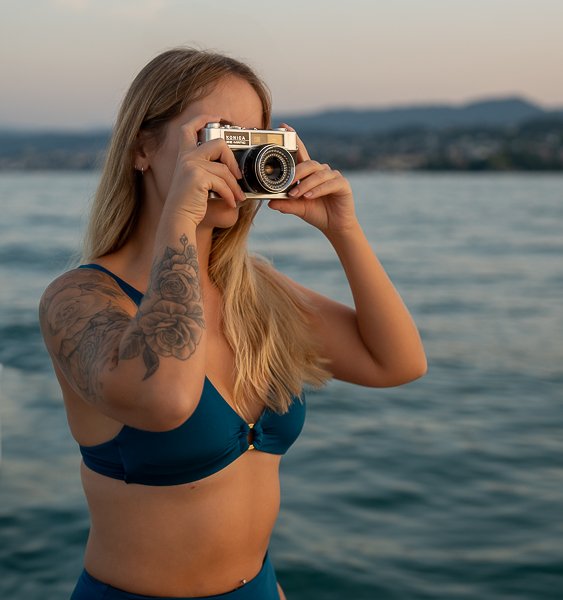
x: 78, y: 294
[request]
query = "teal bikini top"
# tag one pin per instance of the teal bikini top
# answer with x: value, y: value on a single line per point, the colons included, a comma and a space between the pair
x: 211, y: 438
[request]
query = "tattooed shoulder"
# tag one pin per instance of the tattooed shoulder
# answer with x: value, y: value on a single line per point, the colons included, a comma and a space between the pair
x: 82, y: 318
x: 75, y: 296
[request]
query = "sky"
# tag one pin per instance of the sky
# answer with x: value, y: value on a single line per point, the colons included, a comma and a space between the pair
x: 66, y: 64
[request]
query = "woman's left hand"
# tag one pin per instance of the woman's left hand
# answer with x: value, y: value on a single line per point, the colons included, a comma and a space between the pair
x: 323, y: 197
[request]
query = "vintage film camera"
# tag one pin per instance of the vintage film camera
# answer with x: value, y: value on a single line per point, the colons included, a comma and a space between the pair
x: 266, y: 157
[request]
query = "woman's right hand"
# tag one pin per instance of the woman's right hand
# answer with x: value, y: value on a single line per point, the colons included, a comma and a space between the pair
x: 201, y: 169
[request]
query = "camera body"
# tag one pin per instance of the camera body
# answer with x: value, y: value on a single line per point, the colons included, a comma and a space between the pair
x: 266, y: 157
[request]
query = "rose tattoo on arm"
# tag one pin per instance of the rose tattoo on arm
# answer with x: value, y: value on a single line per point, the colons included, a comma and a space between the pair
x: 170, y: 319
x: 89, y: 332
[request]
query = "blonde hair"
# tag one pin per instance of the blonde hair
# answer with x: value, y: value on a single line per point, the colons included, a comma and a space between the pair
x: 266, y: 323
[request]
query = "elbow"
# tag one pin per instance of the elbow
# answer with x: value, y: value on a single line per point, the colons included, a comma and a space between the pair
x: 416, y: 370
x: 170, y: 408
x: 400, y: 374
x: 160, y: 408
x: 164, y: 416
x: 166, y: 420
x: 410, y: 368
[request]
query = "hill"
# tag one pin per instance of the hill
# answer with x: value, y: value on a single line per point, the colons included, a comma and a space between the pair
x: 492, y: 134
x: 496, y: 112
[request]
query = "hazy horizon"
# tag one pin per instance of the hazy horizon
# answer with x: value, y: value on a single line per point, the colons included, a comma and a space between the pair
x: 69, y: 62
x: 103, y: 127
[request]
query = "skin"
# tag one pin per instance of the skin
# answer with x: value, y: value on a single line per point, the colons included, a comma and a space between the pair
x: 203, y: 537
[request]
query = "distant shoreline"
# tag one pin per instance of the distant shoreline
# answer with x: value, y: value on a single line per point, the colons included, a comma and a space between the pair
x: 347, y: 142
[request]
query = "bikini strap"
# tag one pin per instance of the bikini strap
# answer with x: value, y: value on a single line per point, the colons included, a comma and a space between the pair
x: 134, y: 294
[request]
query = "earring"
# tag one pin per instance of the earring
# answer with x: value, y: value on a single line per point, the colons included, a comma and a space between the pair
x: 140, y: 169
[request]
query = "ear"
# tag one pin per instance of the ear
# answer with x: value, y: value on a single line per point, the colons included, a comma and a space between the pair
x: 142, y: 151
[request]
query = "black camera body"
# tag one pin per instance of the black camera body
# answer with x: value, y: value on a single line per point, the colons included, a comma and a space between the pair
x: 266, y: 157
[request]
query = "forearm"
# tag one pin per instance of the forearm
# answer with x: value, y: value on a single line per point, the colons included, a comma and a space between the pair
x: 163, y: 349
x: 384, y: 323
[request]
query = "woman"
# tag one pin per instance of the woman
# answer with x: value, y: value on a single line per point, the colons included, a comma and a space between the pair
x: 182, y: 359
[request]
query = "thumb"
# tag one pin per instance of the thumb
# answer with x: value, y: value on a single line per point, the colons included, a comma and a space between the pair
x: 288, y: 207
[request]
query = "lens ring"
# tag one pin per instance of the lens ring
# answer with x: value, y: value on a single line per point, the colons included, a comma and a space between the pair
x: 283, y: 166
x: 285, y: 162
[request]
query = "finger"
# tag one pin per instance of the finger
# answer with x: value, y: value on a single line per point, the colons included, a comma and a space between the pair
x: 206, y: 176
x: 302, y: 154
x: 218, y: 150
x: 222, y: 171
x: 305, y: 169
x: 209, y: 172
x: 330, y: 186
x: 288, y: 207
x: 311, y: 183
x: 220, y: 187
x: 190, y: 129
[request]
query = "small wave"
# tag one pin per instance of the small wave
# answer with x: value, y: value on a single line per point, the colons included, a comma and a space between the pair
x: 32, y: 259
x: 31, y: 538
x: 22, y: 347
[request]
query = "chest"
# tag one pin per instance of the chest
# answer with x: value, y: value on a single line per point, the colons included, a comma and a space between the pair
x: 208, y: 441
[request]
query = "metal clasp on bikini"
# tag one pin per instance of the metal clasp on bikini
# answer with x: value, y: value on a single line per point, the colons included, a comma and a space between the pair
x: 250, y: 446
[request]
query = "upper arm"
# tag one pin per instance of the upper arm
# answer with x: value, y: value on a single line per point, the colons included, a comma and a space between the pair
x: 83, y: 315
x: 335, y: 327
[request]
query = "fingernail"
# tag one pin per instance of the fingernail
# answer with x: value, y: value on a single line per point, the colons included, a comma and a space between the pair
x: 294, y: 192
x: 308, y: 194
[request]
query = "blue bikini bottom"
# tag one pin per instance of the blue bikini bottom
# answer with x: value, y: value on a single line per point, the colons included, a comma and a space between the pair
x: 261, y: 587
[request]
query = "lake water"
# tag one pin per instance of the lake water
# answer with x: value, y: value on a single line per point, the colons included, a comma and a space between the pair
x: 448, y: 488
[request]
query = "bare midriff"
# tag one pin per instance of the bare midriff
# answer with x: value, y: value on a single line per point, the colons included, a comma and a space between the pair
x: 195, y: 539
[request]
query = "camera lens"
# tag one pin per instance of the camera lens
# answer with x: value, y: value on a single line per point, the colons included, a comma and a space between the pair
x: 273, y: 168
x: 267, y: 169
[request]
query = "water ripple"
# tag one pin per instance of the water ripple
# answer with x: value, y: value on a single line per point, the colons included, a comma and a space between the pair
x: 450, y: 487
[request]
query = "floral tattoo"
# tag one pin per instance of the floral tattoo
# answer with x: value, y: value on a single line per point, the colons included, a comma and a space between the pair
x: 89, y: 334
x: 170, y: 319
x: 94, y: 338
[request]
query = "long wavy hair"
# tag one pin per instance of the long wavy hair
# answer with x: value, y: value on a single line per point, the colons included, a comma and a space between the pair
x: 266, y: 323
